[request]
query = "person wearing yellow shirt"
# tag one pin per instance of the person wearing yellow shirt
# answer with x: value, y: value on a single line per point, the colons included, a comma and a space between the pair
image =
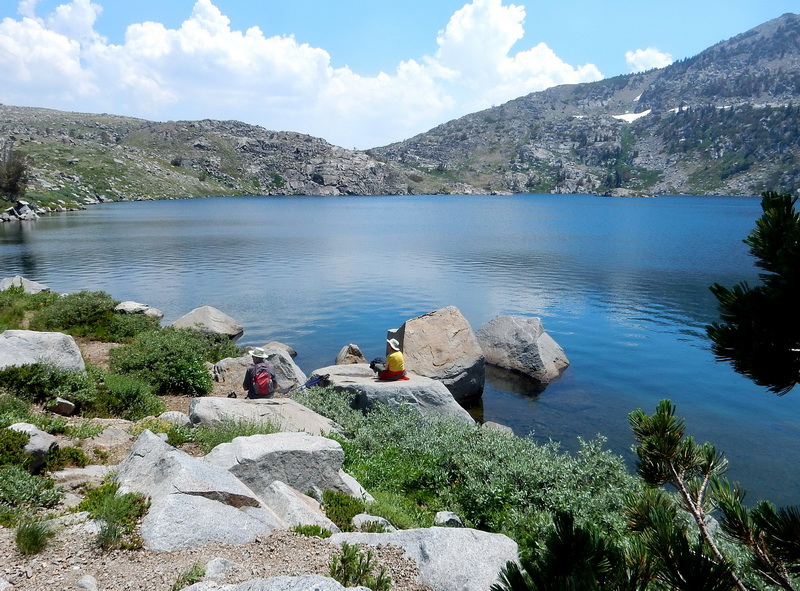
x: 395, y: 364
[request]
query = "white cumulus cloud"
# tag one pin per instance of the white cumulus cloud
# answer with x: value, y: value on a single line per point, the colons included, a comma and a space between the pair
x: 206, y: 69
x: 647, y: 59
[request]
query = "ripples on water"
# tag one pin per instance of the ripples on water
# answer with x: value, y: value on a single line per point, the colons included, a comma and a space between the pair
x: 621, y: 284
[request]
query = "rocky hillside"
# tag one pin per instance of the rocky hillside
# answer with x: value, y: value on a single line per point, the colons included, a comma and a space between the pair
x: 78, y: 157
x: 726, y: 121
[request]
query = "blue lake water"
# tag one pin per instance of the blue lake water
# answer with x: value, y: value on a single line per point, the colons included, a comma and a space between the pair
x: 621, y: 284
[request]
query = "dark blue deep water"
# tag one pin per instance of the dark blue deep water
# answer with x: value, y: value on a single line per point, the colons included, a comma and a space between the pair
x: 621, y: 284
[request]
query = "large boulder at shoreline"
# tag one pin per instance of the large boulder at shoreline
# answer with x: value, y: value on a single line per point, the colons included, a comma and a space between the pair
x: 284, y: 412
x: 25, y: 347
x: 519, y: 343
x: 27, y: 285
x: 288, y: 374
x: 441, y: 345
x: 426, y: 395
x: 304, y: 462
x: 449, y: 559
x: 212, y: 321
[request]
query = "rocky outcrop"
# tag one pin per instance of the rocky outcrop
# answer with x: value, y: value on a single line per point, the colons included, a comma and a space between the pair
x: 449, y: 559
x: 304, y: 462
x: 27, y: 285
x: 210, y: 320
x: 519, y: 343
x: 288, y: 374
x: 283, y: 412
x: 441, y: 345
x: 428, y: 396
x: 200, y: 501
x: 24, y: 347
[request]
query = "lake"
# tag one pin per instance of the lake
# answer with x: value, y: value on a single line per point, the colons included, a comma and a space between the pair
x: 620, y: 284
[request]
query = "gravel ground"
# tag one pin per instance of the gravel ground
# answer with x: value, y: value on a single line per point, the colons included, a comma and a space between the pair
x: 71, y: 556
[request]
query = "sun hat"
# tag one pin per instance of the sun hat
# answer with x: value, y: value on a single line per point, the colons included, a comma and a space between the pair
x: 257, y: 352
x: 394, y: 344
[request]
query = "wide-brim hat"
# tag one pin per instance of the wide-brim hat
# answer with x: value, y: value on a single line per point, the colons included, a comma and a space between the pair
x: 257, y: 352
x: 394, y: 344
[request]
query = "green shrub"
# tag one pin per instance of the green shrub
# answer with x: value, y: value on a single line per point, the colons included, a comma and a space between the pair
x: 84, y: 430
x: 176, y: 436
x: 312, y: 531
x: 209, y: 437
x: 13, y: 410
x: 32, y: 536
x: 353, y: 568
x: 43, y: 383
x: 21, y: 492
x: 89, y: 314
x: 85, y: 313
x: 172, y: 360
x: 127, y: 397
x: 12, y: 448
x: 66, y: 456
x: 400, y: 510
x: 16, y: 305
x: 495, y: 482
x: 119, y: 513
x: 189, y: 577
x: 341, y: 508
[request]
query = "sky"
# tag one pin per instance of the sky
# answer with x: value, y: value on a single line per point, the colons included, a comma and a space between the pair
x: 358, y: 73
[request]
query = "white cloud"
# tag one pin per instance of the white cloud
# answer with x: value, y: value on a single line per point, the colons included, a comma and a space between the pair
x: 205, y: 69
x: 647, y: 59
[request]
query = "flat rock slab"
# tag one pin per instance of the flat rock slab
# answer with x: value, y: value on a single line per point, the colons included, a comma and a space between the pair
x: 285, y: 412
x: 427, y: 395
x: 449, y: 559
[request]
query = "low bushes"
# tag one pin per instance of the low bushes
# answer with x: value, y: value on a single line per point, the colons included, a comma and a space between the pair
x: 494, y: 482
x: 172, y: 359
x: 91, y: 314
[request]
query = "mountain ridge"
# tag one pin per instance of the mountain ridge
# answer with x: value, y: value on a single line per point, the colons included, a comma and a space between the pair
x: 726, y: 121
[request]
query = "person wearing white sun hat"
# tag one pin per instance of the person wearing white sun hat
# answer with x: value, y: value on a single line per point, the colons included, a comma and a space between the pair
x: 395, y: 364
x: 259, y: 381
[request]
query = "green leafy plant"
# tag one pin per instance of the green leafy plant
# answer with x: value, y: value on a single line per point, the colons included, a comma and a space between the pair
x: 12, y: 448
x: 341, y: 508
x: 207, y: 437
x: 172, y: 360
x: 193, y: 575
x: 312, y: 531
x: 119, y: 512
x: 21, y: 493
x: 760, y: 329
x: 32, y: 536
x: 353, y: 568
x: 16, y: 306
x: 66, y: 456
x: 84, y: 430
x: 44, y: 382
x: 127, y: 397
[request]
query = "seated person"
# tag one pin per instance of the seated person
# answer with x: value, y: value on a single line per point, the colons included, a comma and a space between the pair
x: 395, y: 364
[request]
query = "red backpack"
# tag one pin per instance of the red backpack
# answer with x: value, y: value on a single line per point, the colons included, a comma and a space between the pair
x: 263, y: 382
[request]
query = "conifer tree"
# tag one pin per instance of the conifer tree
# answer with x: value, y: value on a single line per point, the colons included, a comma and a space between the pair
x: 760, y: 329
